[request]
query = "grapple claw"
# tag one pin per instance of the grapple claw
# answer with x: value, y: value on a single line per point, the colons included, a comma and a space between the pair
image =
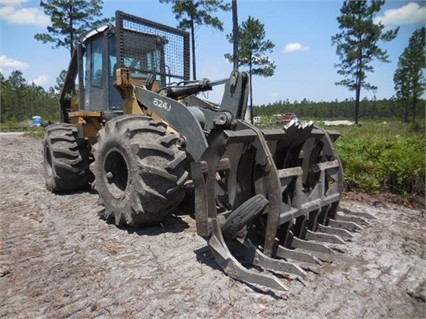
x: 282, y: 188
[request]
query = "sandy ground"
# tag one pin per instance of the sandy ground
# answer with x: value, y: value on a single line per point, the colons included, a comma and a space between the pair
x: 58, y: 259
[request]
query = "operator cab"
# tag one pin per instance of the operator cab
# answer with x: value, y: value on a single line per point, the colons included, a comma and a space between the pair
x: 145, y: 59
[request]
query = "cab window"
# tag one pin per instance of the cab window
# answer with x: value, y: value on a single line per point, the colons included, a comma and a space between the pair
x: 96, y: 64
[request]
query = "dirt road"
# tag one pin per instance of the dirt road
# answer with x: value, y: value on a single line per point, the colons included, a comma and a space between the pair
x: 58, y: 259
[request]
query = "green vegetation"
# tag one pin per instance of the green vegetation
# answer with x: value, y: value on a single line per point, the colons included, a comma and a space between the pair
x: 369, y: 109
x: 386, y: 156
x: 20, y: 101
x: 35, y: 131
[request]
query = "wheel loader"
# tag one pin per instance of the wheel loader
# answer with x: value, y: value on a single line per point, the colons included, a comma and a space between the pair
x: 136, y: 128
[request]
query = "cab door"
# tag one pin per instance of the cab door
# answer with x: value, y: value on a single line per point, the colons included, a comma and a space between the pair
x: 95, y: 77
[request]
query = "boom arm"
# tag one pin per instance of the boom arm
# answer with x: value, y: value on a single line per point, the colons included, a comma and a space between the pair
x: 186, y: 120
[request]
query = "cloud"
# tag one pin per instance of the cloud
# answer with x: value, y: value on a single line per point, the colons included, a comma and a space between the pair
x: 410, y: 13
x: 12, y: 12
x: 12, y: 2
x: 41, y: 80
x: 295, y: 47
x: 6, y: 62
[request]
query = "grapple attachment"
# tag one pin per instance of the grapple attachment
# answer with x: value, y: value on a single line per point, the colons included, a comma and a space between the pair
x: 271, y: 197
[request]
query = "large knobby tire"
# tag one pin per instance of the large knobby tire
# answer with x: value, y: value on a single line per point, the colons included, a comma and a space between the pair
x: 66, y: 159
x: 139, y: 171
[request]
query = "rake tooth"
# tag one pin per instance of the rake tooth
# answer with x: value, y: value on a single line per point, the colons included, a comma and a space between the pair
x: 318, y: 250
x: 343, y: 233
x: 235, y: 270
x: 257, y: 258
x: 278, y: 265
x: 304, y: 260
x: 357, y: 214
x: 351, y: 218
x: 316, y: 269
x: 309, y: 245
x: 326, y: 238
x: 351, y: 226
x: 297, y: 255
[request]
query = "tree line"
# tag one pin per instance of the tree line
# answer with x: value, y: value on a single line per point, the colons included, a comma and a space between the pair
x: 20, y: 100
x: 368, y: 109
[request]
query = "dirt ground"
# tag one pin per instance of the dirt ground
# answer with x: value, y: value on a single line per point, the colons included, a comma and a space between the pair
x: 58, y: 259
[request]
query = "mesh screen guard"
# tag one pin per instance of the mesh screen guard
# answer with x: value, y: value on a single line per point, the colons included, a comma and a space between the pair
x: 148, y: 47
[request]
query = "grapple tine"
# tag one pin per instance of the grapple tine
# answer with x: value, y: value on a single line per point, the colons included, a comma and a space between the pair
x: 351, y: 226
x: 304, y: 260
x: 351, y: 218
x: 297, y: 255
x: 326, y: 238
x: 357, y: 214
x: 343, y: 233
x: 316, y: 249
x: 309, y: 245
x: 257, y: 258
x: 234, y: 269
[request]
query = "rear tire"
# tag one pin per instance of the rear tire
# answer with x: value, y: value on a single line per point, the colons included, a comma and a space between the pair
x: 66, y: 159
x: 139, y: 171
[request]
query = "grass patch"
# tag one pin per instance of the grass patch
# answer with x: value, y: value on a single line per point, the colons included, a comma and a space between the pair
x: 35, y: 131
x: 386, y: 156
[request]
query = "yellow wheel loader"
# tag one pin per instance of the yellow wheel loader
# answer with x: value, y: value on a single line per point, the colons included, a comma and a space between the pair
x: 134, y: 127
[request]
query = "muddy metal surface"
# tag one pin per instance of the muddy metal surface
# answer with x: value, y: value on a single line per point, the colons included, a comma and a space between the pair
x: 58, y: 259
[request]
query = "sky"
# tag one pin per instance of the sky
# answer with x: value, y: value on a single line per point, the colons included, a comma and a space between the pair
x: 301, y: 31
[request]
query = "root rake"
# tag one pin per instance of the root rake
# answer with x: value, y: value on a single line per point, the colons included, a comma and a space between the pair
x: 280, y: 190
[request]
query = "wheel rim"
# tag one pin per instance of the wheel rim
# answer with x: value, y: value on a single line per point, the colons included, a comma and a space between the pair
x: 116, y: 173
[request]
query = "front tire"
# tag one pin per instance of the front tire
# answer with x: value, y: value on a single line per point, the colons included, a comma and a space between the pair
x: 139, y: 171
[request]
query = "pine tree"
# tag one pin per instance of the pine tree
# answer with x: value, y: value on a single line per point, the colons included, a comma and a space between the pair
x: 60, y: 81
x: 252, y: 48
x: 18, y: 86
x: 408, y: 77
x: 194, y: 13
x: 356, y: 45
x: 71, y: 20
